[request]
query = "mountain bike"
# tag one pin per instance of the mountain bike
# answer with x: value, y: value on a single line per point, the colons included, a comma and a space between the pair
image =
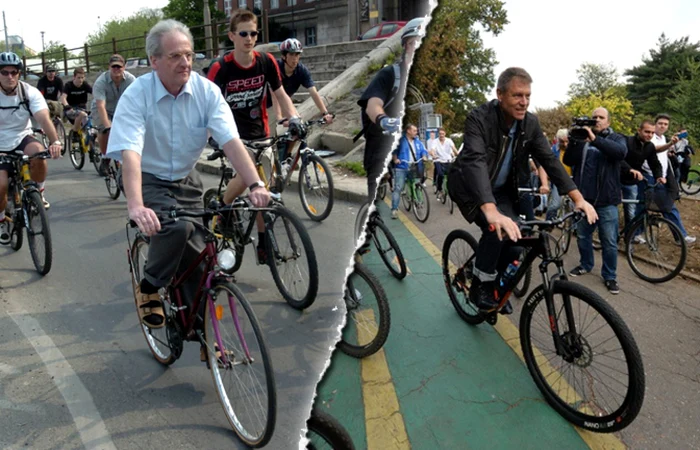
x: 223, y: 322
x: 578, y: 350
x: 85, y: 144
x: 375, y: 230
x: 691, y: 185
x: 445, y: 197
x: 414, y: 196
x: 25, y: 210
x: 385, y: 185
x: 368, y: 317
x: 324, y: 431
x: 113, y: 179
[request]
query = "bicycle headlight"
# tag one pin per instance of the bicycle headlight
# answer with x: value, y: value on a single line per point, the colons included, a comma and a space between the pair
x: 226, y: 259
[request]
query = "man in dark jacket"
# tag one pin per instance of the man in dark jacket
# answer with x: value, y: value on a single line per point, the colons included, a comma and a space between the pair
x: 639, y: 149
x: 499, y: 137
x: 595, y: 163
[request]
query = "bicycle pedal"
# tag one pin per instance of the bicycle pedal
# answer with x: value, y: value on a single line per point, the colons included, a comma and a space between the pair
x: 492, y: 318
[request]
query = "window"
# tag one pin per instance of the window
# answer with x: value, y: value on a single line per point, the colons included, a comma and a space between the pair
x: 227, y: 7
x: 389, y: 29
x: 310, y: 36
x: 258, y: 4
x: 274, y: 4
x: 291, y: 2
x: 242, y: 3
x: 371, y: 33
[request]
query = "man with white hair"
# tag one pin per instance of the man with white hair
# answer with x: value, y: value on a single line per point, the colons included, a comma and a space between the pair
x: 159, y: 131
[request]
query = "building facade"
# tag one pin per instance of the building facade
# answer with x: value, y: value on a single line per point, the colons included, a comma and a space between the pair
x: 318, y: 22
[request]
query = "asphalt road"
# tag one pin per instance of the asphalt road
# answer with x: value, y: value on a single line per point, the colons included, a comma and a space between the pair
x: 74, y: 367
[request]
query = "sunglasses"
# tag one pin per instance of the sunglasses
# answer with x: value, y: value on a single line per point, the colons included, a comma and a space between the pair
x: 50, y: 71
x: 245, y: 34
x: 9, y: 73
x: 116, y: 66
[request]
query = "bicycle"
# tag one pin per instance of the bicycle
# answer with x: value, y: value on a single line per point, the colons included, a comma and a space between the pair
x: 445, y: 197
x: 375, y: 229
x: 113, y: 179
x: 86, y: 145
x: 385, y: 185
x: 414, y: 195
x: 25, y: 209
x: 368, y: 317
x: 324, y: 431
x: 691, y: 185
x: 234, y: 350
x: 560, y: 359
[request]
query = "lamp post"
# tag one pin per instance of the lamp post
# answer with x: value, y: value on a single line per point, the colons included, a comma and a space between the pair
x: 43, y: 48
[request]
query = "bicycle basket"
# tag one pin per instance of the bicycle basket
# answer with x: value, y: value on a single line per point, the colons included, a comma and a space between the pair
x: 415, y: 172
x: 658, y: 200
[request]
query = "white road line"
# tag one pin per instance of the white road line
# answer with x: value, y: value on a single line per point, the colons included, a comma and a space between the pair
x: 88, y: 421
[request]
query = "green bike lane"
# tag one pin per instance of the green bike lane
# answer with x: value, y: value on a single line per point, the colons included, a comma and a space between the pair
x: 439, y: 382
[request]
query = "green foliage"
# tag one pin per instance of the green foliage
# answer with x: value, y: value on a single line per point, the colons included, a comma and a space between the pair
x: 684, y: 103
x: 136, y: 25
x: 651, y: 83
x: 375, y: 67
x: 620, y: 108
x: 191, y: 13
x: 353, y: 166
x: 553, y: 119
x: 361, y: 82
x: 593, y: 79
x: 452, y: 68
x: 54, y: 54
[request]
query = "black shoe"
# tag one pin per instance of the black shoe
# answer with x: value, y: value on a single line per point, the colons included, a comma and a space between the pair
x: 481, y: 294
x: 578, y: 271
x: 507, y: 309
x: 262, y: 255
x: 612, y: 286
x: 75, y: 138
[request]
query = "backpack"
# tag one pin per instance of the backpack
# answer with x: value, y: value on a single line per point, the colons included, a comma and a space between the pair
x: 392, y: 96
x: 23, y: 100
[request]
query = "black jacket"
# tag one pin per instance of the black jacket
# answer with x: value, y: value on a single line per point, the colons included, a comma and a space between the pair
x: 485, y: 143
x: 596, y: 167
x: 638, y: 152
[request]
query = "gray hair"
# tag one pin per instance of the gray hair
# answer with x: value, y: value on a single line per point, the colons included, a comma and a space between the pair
x: 507, y: 76
x: 562, y: 133
x: 153, y: 40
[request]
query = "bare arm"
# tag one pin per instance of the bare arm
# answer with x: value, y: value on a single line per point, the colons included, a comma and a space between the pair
x: 318, y: 100
x: 64, y: 99
x: 240, y: 160
x: 102, y: 113
x: 145, y: 218
x: 286, y: 104
x: 276, y: 108
x: 47, y: 125
x: 375, y: 108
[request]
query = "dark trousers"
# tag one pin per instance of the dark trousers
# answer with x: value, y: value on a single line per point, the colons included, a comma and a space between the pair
x: 376, y: 152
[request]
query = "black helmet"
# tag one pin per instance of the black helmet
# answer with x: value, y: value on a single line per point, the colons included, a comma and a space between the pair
x: 10, y: 59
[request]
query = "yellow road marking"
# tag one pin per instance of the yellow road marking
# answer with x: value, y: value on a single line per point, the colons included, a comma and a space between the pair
x: 383, y: 420
x: 511, y: 335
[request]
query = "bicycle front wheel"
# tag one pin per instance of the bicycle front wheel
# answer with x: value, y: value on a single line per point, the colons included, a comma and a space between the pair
x: 77, y: 157
x: 361, y: 221
x: 111, y: 180
x: 316, y: 188
x: 291, y: 257
x: 96, y: 156
x: 691, y: 185
x: 421, y: 203
x: 368, y: 317
x: 406, y: 196
x: 458, y: 256
x: 14, y: 212
x: 388, y: 249
x: 60, y: 130
x: 325, y: 432
x: 38, y: 233
x: 240, y: 365
x: 661, y: 252
x: 595, y: 380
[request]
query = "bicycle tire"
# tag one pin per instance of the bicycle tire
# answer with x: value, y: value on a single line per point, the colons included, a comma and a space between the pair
x: 400, y: 272
x: 96, y: 156
x: 364, y: 293
x: 111, y: 180
x: 67, y: 142
x: 280, y: 251
x: 250, y: 358
x: 329, y: 431
x: 34, y: 208
x: 361, y: 221
x: 457, y: 274
x: 77, y: 157
x: 639, y: 260
x: 521, y: 289
x: 692, y: 184
x: 164, y: 349
x: 605, y: 420
x: 14, y: 212
x: 421, y: 204
x: 405, y: 198
x: 381, y: 190
x: 60, y: 130
x: 315, y: 185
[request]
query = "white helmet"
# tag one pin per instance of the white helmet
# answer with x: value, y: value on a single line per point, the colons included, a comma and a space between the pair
x: 291, y: 45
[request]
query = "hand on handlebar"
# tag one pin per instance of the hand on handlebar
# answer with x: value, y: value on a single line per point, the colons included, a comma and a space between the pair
x: 389, y: 124
x: 259, y: 197
x: 588, y: 209
x: 544, y: 190
x: 502, y: 224
x: 146, y: 219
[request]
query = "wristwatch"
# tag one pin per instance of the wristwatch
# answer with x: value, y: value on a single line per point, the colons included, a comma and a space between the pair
x: 257, y: 184
x: 57, y: 142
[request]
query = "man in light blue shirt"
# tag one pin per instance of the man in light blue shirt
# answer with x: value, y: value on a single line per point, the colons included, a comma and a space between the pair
x: 159, y: 131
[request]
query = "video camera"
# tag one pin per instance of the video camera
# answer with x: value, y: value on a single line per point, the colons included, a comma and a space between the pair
x: 577, y: 131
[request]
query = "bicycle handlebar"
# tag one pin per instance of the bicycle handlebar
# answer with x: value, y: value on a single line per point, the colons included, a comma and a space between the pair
x: 577, y: 215
x: 12, y: 157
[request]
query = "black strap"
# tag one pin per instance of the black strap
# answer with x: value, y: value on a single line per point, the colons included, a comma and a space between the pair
x: 413, y: 152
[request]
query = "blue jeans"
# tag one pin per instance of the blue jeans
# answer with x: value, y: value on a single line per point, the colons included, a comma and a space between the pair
x: 554, y: 203
x: 399, y: 181
x: 630, y: 209
x: 608, y: 230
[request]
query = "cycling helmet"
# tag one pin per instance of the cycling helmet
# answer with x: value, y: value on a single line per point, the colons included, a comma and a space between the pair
x: 10, y: 59
x: 411, y: 30
x: 291, y: 45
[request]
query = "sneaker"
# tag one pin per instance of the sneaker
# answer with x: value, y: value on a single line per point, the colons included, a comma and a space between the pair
x: 47, y: 205
x: 612, y: 286
x: 262, y: 255
x: 639, y: 240
x: 5, y: 232
x: 481, y: 294
x: 394, y: 214
x: 690, y: 239
x: 578, y: 271
x: 104, y: 165
x: 507, y: 309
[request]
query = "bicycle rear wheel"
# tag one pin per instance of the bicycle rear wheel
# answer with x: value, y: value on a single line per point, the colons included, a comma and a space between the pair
x: 316, y: 188
x: 240, y: 365
x: 291, y: 257
x: 325, y: 432
x: 368, y: 317
x: 662, y: 255
x: 458, y: 256
x: 96, y: 155
x: 77, y: 157
x: 691, y: 185
x: 361, y: 220
x: 164, y: 344
x: 111, y: 180
x: 596, y: 381
x: 421, y: 203
x: 388, y: 248
x: 38, y: 232
x: 60, y: 130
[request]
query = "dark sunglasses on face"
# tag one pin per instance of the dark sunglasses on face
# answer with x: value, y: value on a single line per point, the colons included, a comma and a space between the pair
x: 116, y: 66
x: 245, y: 34
x: 50, y: 71
x: 9, y: 73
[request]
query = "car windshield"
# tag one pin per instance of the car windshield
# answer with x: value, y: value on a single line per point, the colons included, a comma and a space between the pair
x: 371, y: 33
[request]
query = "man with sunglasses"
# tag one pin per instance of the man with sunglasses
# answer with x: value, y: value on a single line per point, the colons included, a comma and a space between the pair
x: 19, y: 102
x: 51, y: 87
x: 106, y: 92
x: 245, y: 76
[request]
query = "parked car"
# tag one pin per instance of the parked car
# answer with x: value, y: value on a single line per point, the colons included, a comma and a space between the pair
x: 381, y: 31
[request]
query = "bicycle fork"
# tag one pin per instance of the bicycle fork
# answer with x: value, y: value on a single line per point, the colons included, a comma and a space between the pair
x: 565, y: 344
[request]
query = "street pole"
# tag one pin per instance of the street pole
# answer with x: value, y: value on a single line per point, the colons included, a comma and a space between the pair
x: 207, y: 30
x: 43, y: 48
x: 4, y: 25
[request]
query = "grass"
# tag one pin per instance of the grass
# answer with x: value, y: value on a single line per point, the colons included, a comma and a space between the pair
x: 362, y: 82
x: 354, y: 167
x: 354, y: 131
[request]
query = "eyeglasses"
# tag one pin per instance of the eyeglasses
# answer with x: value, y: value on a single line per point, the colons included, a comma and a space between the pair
x: 176, y: 56
x: 51, y: 71
x: 116, y: 66
x: 9, y: 73
x: 245, y: 34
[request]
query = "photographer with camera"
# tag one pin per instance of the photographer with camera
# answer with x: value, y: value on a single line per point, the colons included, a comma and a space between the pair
x: 595, y: 154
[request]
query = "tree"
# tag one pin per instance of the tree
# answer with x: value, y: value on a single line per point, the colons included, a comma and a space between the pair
x: 651, y: 83
x: 684, y: 102
x: 614, y: 100
x: 553, y: 119
x: 593, y: 79
x: 54, y: 53
x: 452, y: 68
x: 191, y: 13
x: 130, y: 34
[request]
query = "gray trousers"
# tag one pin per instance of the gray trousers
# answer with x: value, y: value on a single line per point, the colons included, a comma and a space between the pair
x: 176, y: 242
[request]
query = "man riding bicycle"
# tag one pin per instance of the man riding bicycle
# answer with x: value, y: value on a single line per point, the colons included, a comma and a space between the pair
x: 411, y: 149
x: 498, y: 138
x: 159, y: 131
x: 19, y: 102
x: 51, y: 87
x: 75, y: 95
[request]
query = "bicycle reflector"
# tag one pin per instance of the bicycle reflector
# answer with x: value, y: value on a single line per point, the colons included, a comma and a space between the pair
x: 219, y: 312
x: 226, y: 259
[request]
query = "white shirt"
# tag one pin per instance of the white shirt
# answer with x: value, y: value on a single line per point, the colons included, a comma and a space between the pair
x: 168, y: 132
x: 14, y: 121
x: 663, y: 156
x: 443, y: 150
